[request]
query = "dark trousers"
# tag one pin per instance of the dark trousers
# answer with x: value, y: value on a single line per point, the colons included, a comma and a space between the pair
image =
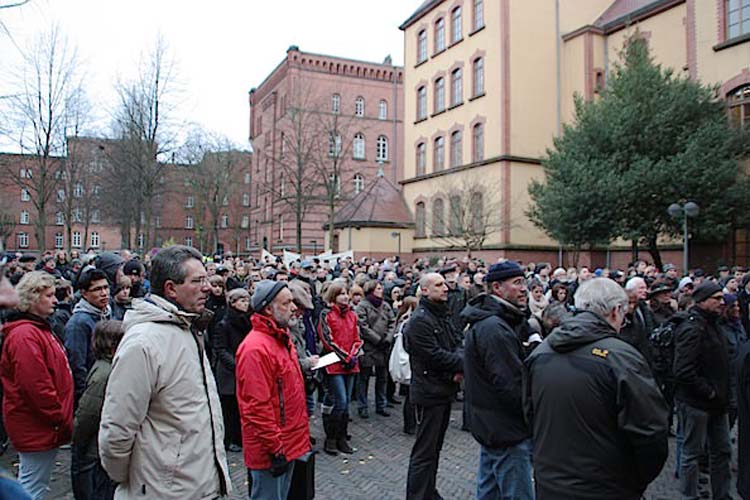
x: 89, y: 479
x: 432, y: 422
x: 410, y: 419
x: 231, y: 413
x: 381, y: 378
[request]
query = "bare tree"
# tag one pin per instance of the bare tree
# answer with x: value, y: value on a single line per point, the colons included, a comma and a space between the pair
x: 7, y: 223
x: 40, y: 112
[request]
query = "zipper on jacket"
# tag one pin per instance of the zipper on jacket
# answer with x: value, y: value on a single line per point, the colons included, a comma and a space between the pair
x: 282, y: 413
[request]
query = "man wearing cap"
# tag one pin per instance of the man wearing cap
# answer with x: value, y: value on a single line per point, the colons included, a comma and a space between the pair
x: 493, y: 371
x: 701, y: 370
x: 134, y: 270
x: 670, y: 275
x: 271, y: 394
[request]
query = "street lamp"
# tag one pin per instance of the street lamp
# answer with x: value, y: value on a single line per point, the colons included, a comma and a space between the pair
x: 397, y: 234
x: 689, y: 209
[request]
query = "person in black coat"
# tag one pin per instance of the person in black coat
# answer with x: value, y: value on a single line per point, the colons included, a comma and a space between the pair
x: 437, y: 368
x: 639, y: 321
x: 743, y: 421
x: 493, y: 371
x: 230, y: 331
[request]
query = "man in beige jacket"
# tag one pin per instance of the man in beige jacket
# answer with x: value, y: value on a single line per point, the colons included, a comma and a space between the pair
x: 161, y: 433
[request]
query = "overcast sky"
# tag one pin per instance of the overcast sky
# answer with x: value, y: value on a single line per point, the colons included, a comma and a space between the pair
x: 222, y: 48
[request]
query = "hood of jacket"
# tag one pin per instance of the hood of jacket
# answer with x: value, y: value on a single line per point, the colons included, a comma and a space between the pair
x: 485, y: 305
x: 84, y: 306
x: 158, y: 310
x: 583, y: 328
x: 18, y: 318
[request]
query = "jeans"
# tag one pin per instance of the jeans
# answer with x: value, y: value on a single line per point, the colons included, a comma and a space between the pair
x: 263, y: 486
x: 432, y: 422
x: 340, y: 392
x: 700, y: 428
x: 91, y: 482
x: 505, y: 473
x: 34, y: 471
x: 381, y: 380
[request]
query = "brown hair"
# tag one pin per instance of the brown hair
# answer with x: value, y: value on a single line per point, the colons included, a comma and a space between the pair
x: 333, y: 291
x: 407, y: 305
x: 370, y: 286
x: 107, y: 336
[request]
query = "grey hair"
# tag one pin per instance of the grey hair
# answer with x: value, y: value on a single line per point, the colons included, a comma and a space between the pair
x: 31, y: 287
x: 427, y: 279
x: 600, y: 296
x: 633, y: 283
x: 169, y: 264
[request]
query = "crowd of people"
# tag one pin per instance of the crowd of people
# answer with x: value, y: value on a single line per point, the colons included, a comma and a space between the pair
x: 150, y: 369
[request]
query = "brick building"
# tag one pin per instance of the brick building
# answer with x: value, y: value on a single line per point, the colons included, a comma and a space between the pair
x: 320, y: 127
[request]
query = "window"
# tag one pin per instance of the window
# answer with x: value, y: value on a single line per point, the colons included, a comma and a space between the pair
x: 359, y: 183
x: 245, y: 199
x: 334, y: 145
x: 189, y: 223
x: 440, y: 35
x: 439, y: 95
x: 438, y: 217
x: 381, y: 150
x: 96, y: 216
x: 420, y: 219
x: 359, y: 106
x: 477, y: 213
x: 478, y: 76
x: 224, y: 221
x: 336, y: 103
x: 78, y: 190
x: 383, y: 110
x: 26, y: 173
x: 157, y: 221
x: 248, y: 243
x: 457, y: 87
x: 455, y: 216
x: 25, y: 196
x: 477, y: 138
x: 245, y: 222
x: 358, y: 146
x: 456, y: 153
x: 95, y: 240
x: 456, y: 33
x: 281, y: 227
x: 421, y: 158
x: 59, y: 240
x: 334, y: 183
x: 59, y: 219
x: 77, y: 215
x: 438, y: 155
x: 739, y: 107
x: 24, y: 219
x: 282, y: 188
x: 96, y: 189
x: 247, y: 178
x: 422, y: 46
x: 76, y: 239
x: 421, y: 103
x: 478, y: 14
x: 188, y: 241
x: 225, y: 201
x: 738, y: 18
x: 190, y: 202
x: 23, y: 240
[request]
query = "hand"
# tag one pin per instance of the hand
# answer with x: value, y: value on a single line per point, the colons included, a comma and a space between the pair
x: 279, y: 465
x: 458, y: 378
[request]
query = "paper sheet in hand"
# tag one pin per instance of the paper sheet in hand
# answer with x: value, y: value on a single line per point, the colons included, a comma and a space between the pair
x: 326, y: 360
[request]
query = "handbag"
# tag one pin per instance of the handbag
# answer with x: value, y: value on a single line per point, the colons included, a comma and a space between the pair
x: 302, y: 486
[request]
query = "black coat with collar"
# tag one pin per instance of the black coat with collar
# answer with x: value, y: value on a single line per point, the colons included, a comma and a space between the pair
x: 229, y: 334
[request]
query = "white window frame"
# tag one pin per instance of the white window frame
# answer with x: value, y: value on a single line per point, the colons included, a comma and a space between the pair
x: 245, y: 222
x: 59, y: 240
x: 422, y: 102
x: 359, y: 183
x: 224, y: 223
x: 358, y: 146
x: 478, y: 71
x: 59, y: 219
x: 24, y: 218
x: 23, y: 240
x: 76, y: 243
x: 456, y: 25
x: 478, y: 14
x: 457, y: 87
x: 25, y: 195
x: 359, y: 106
x: 336, y: 104
x: 189, y: 222
x: 245, y: 199
x: 188, y: 241
x: 190, y: 202
x: 439, y: 95
x: 422, y: 46
x: 383, y: 110
x: 440, y: 35
x: 95, y: 239
x: 381, y: 151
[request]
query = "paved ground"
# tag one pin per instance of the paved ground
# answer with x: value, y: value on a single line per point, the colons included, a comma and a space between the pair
x: 377, y: 470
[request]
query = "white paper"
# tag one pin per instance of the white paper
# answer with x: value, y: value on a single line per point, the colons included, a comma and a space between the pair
x: 326, y: 360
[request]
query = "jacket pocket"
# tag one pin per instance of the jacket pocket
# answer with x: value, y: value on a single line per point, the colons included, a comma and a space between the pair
x: 172, y: 456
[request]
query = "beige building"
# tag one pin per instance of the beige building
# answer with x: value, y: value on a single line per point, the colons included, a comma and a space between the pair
x: 489, y: 84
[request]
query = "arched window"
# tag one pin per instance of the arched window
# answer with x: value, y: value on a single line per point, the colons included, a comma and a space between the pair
x: 438, y: 217
x: 421, y: 103
x: 420, y: 220
x: 478, y: 14
x: 739, y: 106
x: 383, y: 110
x: 438, y: 156
x: 359, y: 183
x: 456, y: 26
x: 421, y: 158
x: 440, y: 35
x: 478, y: 76
x: 477, y: 213
x: 336, y: 103
x: 439, y: 95
x: 381, y: 151
x: 358, y: 146
x: 359, y: 106
x: 455, y: 221
x: 457, y: 87
x: 456, y: 145
x: 334, y: 145
x: 422, y: 46
x: 477, y: 137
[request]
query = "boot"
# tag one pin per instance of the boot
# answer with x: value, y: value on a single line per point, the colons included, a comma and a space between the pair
x: 341, y: 442
x: 329, y: 425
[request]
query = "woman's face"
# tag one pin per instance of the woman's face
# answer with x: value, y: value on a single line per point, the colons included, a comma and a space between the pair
x: 378, y: 292
x: 123, y: 295
x: 242, y: 304
x: 45, y: 305
x: 562, y: 294
x: 356, y: 298
x: 342, y: 298
x: 217, y: 290
x: 537, y: 292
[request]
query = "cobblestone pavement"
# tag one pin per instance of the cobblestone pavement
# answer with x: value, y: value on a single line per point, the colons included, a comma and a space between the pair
x: 377, y: 470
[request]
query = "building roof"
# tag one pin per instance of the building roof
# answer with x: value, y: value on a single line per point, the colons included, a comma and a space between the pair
x: 423, y: 9
x: 624, y: 11
x: 380, y: 204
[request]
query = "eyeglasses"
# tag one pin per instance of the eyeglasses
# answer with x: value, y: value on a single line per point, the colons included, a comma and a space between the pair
x: 97, y: 289
x: 202, y: 281
x: 717, y: 297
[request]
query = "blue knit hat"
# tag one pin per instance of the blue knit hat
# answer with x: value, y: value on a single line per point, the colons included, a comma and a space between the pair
x: 503, y: 271
x: 265, y: 292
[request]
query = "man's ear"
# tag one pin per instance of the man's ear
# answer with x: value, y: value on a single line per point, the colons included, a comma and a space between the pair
x: 170, y: 291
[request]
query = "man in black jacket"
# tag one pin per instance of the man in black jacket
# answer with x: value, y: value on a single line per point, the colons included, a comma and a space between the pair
x: 436, y: 367
x: 493, y: 371
x: 599, y: 421
x: 701, y: 371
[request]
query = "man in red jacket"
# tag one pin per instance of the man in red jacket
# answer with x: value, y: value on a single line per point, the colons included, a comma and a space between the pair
x: 271, y: 394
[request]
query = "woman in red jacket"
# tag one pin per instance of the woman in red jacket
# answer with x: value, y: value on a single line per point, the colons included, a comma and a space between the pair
x: 339, y: 333
x: 37, y: 383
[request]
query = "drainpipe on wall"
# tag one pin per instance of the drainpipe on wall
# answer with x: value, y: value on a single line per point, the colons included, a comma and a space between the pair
x: 558, y: 49
x: 395, y: 126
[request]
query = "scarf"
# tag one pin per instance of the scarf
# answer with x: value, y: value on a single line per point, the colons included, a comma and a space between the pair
x: 377, y: 302
x: 537, y: 307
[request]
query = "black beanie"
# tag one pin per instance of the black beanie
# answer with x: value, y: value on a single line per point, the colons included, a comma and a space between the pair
x: 503, y: 271
x: 705, y: 290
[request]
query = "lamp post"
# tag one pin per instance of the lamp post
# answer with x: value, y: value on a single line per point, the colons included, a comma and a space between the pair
x: 397, y: 234
x: 688, y: 209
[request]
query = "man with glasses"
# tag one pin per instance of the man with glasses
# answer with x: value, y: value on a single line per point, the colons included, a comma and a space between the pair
x: 161, y: 433
x: 701, y: 370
